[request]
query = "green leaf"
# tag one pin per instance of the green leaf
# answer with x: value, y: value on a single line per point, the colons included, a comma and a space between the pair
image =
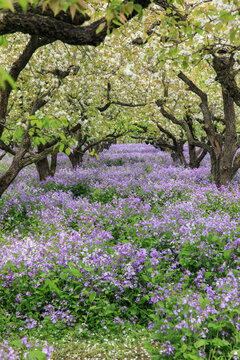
x: 129, y: 8
x: 64, y: 276
x: 225, y: 16
x: 6, y: 4
x: 67, y: 151
x: 36, y: 355
x: 199, y: 31
x: 92, y: 296
x: 138, y: 8
x: 16, y: 343
x: 191, y: 357
x: 214, y: 325
x: 18, y: 134
x: 219, y: 342
x: 145, y: 277
x: 23, y: 4
x: 42, y: 141
x: 92, y: 152
x: 183, y: 348
x: 53, y: 287
x: 160, y: 304
x: 185, y: 64
x: 3, y: 41
x: 61, y: 147
x: 208, y: 274
x: 116, y: 22
x: 200, y: 343
x: 5, y: 77
x: 100, y: 28
x: 227, y: 254
x: 75, y: 272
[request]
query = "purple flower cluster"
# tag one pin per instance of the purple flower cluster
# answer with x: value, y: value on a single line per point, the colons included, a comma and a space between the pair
x: 25, y: 349
x: 7, y: 352
x: 150, y: 234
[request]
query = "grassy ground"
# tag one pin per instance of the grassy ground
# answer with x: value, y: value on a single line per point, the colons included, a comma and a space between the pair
x: 122, y: 348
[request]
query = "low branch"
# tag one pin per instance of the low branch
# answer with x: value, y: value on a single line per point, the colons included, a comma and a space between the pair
x: 142, y: 127
x: 59, y: 28
x: 185, y: 127
x: 168, y: 133
x: 164, y: 144
x: 167, y: 115
x: 194, y: 88
x: 7, y: 148
x: 209, y: 126
x: 61, y: 74
x: 119, y: 103
x: 39, y: 102
x: 34, y: 158
x: 2, y: 156
x: 202, y: 155
x: 108, y: 137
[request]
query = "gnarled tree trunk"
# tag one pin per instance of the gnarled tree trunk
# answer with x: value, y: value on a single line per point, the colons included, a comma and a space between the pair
x: 76, y: 158
x: 7, y: 178
x: 222, y: 159
x: 177, y: 153
x: 43, y: 167
x: 195, y: 156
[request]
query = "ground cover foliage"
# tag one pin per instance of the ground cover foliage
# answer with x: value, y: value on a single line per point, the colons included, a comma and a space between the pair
x: 126, y: 244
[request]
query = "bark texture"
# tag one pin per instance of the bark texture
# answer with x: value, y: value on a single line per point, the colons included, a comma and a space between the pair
x: 46, y: 169
x: 62, y: 27
x: 186, y: 123
x: 221, y: 147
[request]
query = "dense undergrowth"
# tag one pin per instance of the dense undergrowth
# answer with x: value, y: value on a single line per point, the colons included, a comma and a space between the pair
x: 127, y: 244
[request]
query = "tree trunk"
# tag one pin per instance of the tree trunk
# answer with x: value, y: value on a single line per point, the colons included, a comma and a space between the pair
x: 7, y: 178
x: 53, y: 165
x: 221, y: 169
x: 76, y: 158
x: 178, y: 156
x: 195, y: 157
x: 192, y: 156
x: 215, y: 169
x: 43, y: 169
x: 222, y: 163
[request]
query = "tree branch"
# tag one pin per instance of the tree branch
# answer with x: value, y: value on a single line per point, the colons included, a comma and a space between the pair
x: 209, y: 126
x: 185, y: 127
x: 7, y: 148
x: 33, y: 44
x: 59, y: 28
x: 193, y: 87
x: 119, y: 103
x: 168, y: 133
x: 61, y: 74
